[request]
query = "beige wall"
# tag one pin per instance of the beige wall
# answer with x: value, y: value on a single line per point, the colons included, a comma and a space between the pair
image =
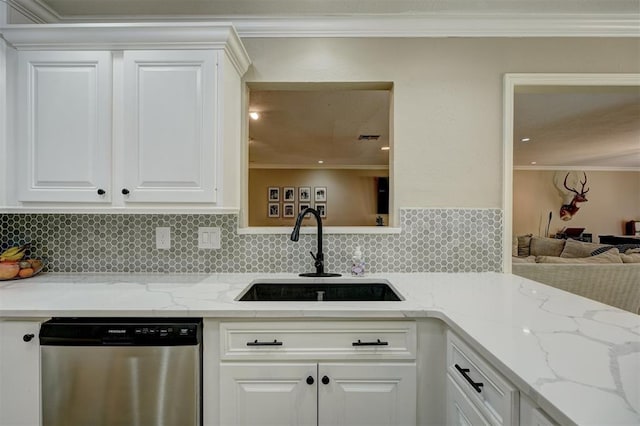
x: 447, y: 98
x: 614, y: 198
x: 351, y: 195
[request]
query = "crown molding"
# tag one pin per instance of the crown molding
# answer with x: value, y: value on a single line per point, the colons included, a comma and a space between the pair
x: 35, y: 10
x: 436, y: 24
x: 580, y: 168
x: 443, y: 25
x: 116, y: 36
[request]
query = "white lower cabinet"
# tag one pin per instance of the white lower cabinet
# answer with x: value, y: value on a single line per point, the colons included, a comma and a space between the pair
x: 326, y: 394
x: 20, y: 373
x: 460, y: 410
x: 268, y: 394
x: 532, y: 415
x: 367, y: 394
x: 476, y: 392
x: 351, y: 373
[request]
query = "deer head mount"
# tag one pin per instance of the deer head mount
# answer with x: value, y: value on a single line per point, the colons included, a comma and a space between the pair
x: 571, y: 196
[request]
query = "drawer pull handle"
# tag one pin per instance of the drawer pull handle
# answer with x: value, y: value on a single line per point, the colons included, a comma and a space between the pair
x: 310, y: 380
x: 376, y: 343
x: 476, y: 385
x: 28, y: 337
x: 256, y: 343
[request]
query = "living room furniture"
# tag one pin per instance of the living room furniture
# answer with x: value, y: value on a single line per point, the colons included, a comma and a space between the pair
x: 605, y: 273
x: 618, y: 239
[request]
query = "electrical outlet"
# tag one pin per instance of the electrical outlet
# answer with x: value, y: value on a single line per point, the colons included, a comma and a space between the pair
x: 208, y: 238
x: 163, y: 238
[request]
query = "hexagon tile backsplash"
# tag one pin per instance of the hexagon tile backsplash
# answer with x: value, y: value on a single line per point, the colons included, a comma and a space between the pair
x: 432, y: 240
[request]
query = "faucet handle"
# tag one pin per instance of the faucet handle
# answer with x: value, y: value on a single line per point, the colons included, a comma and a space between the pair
x: 313, y: 255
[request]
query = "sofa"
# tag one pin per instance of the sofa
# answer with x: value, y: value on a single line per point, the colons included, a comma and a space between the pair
x: 605, y: 273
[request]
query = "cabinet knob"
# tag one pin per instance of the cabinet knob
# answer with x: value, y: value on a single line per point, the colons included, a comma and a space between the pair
x: 28, y: 337
x: 310, y: 380
x: 325, y: 380
x: 125, y: 191
x: 101, y: 191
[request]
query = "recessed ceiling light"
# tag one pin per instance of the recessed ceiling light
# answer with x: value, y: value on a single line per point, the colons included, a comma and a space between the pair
x: 254, y: 115
x: 525, y: 139
x: 533, y: 162
x: 385, y: 148
x: 320, y: 161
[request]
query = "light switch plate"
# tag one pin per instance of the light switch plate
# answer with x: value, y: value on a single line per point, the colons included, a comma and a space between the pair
x: 208, y: 238
x: 163, y: 238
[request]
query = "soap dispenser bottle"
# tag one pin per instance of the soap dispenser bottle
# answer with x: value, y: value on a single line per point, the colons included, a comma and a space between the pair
x: 357, y: 264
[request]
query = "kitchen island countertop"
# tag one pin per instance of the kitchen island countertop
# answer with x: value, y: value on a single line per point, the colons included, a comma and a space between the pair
x: 578, y: 359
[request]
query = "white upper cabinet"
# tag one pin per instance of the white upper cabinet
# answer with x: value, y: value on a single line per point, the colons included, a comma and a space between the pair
x: 64, y: 126
x: 126, y: 115
x: 169, y: 125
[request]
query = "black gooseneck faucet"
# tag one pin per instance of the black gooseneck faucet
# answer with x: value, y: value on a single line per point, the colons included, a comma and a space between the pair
x: 319, y: 256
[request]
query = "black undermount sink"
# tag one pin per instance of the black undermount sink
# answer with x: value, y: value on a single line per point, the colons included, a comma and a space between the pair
x: 305, y: 290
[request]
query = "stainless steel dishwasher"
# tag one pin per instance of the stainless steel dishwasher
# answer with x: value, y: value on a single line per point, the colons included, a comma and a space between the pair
x: 121, y: 371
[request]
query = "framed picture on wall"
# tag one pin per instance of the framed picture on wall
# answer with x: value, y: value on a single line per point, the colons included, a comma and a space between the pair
x: 304, y: 194
x: 288, y: 209
x: 274, y: 210
x: 320, y: 193
x: 303, y: 206
x: 289, y: 194
x: 322, y: 209
x: 274, y: 193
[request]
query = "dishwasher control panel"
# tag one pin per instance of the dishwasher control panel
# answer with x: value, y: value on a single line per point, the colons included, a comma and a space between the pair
x: 121, y: 331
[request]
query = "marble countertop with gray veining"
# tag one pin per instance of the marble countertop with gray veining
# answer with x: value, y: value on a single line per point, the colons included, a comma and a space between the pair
x: 578, y: 359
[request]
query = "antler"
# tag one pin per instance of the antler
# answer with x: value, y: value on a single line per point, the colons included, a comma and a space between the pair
x: 582, y: 191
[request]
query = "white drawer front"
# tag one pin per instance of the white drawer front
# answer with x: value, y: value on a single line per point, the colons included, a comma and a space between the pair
x: 484, y: 386
x: 460, y: 410
x: 318, y: 340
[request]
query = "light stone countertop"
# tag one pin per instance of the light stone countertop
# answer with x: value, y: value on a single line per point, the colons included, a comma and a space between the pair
x: 579, y: 360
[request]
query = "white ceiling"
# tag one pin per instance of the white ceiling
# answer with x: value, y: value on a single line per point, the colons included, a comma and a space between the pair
x: 301, y: 127
x: 569, y: 127
x: 577, y: 126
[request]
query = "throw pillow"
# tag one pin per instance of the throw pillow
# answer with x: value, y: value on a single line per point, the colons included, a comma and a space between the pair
x: 630, y: 258
x: 626, y: 248
x: 524, y: 245
x: 546, y: 246
x: 574, y: 248
x: 610, y: 256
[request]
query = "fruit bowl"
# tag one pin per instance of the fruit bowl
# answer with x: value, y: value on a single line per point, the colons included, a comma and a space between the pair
x: 18, y: 270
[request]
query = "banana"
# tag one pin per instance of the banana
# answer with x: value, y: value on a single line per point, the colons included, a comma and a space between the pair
x: 14, y: 254
x: 11, y: 251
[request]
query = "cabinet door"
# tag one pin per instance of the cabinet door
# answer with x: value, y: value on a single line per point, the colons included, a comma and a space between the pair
x: 367, y: 394
x: 20, y: 373
x: 531, y: 414
x: 460, y: 410
x: 258, y: 394
x: 64, y: 126
x: 170, y: 126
